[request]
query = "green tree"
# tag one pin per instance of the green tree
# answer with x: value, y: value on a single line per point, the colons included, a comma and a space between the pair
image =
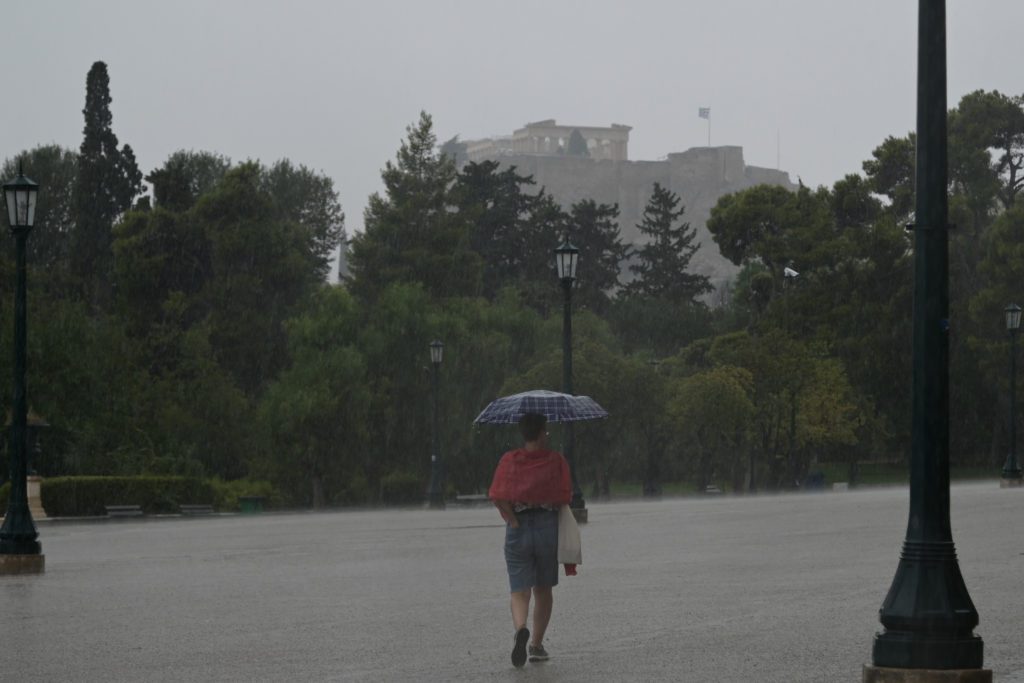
x: 985, y: 121
x: 231, y: 263
x: 775, y: 228
x: 185, y: 177
x: 663, y: 262
x: 56, y: 170
x: 162, y: 262
x: 546, y: 227
x: 891, y: 174
x: 501, y: 214
x: 108, y: 182
x: 307, y: 199
x: 485, y: 343
x: 659, y: 310
x: 712, y: 413
x: 395, y: 331
x: 593, y: 228
x: 658, y: 326
x: 1002, y: 268
x: 851, y: 299
x: 262, y: 269
x: 790, y: 417
x: 194, y: 417
x: 316, y: 409
x: 413, y: 233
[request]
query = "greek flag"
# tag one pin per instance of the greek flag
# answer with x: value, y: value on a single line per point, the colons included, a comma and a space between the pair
x: 704, y: 112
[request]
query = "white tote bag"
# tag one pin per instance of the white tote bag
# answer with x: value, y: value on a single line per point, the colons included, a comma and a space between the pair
x: 569, y: 550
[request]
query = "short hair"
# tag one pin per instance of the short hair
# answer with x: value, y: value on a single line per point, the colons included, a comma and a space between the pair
x: 531, y: 426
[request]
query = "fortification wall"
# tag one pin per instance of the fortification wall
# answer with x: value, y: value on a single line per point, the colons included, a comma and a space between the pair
x: 700, y: 176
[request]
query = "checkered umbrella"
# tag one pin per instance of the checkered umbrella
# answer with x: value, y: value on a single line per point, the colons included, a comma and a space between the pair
x: 554, y: 406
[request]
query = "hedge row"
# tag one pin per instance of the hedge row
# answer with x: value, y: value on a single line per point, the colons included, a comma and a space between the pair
x: 401, y: 488
x: 85, y: 496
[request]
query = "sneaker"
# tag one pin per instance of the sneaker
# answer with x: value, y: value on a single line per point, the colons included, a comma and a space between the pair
x: 519, y: 651
x: 538, y: 653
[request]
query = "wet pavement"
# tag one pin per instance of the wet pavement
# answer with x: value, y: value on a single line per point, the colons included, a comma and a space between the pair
x: 765, y: 588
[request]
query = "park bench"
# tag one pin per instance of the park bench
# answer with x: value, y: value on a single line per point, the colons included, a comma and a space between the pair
x: 194, y: 510
x: 123, y: 510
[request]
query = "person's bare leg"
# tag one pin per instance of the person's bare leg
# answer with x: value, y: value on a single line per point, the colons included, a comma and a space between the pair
x: 520, y: 608
x: 543, y: 601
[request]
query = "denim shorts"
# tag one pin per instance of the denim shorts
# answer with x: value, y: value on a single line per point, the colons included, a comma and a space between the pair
x: 531, y: 551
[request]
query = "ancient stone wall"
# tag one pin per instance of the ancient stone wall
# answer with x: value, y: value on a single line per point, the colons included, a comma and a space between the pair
x: 700, y: 176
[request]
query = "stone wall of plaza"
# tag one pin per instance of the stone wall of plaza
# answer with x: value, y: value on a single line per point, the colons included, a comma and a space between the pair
x: 700, y: 176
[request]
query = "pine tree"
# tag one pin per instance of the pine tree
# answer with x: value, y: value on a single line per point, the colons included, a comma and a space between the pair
x: 662, y: 263
x: 109, y: 180
x: 594, y: 229
x: 414, y: 233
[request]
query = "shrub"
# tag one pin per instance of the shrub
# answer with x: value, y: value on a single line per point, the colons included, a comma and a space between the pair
x: 401, y: 488
x: 356, y: 491
x: 84, y: 496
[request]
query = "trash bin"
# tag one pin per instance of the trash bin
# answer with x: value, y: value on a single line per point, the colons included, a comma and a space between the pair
x: 251, y: 504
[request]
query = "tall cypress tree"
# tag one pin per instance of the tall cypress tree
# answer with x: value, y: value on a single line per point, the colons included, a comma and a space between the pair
x: 108, y: 182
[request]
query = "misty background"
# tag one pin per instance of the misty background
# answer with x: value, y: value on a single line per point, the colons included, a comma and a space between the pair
x: 811, y: 86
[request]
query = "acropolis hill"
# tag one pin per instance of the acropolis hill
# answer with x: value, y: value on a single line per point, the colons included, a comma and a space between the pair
x: 700, y: 175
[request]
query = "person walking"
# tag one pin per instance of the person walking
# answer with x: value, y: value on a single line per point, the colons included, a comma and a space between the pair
x: 529, y: 486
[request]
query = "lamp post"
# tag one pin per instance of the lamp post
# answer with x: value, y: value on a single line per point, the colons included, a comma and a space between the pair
x: 435, y: 495
x: 1011, y: 470
x: 20, y: 551
x: 566, y: 258
x: 928, y: 614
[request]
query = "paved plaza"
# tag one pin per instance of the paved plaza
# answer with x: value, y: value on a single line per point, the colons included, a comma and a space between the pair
x: 762, y: 588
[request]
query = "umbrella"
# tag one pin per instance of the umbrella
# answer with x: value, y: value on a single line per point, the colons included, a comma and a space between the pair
x: 554, y: 406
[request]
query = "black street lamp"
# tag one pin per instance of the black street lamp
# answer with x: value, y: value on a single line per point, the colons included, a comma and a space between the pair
x: 1011, y: 470
x: 20, y: 551
x: 435, y: 495
x: 566, y: 258
x: 928, y: 615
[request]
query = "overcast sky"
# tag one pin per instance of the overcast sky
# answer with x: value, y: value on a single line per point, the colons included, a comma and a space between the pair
x: 332, y: 84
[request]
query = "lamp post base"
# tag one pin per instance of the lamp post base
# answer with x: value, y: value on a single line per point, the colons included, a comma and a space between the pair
x: 1011, y: 482
x: 22, y: 564
x: 881, y: 674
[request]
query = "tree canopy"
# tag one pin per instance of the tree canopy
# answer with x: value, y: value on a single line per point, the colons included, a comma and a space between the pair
x: 193, y: 331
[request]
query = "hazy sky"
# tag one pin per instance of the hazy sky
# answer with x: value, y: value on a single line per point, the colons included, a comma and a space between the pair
x: 332, y: 84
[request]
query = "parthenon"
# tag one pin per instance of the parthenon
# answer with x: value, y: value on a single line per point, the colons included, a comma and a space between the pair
x: 548, y: 138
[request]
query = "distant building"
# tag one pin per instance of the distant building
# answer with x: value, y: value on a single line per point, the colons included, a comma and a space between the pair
x: 547, y: 138
x: 700, y: 176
